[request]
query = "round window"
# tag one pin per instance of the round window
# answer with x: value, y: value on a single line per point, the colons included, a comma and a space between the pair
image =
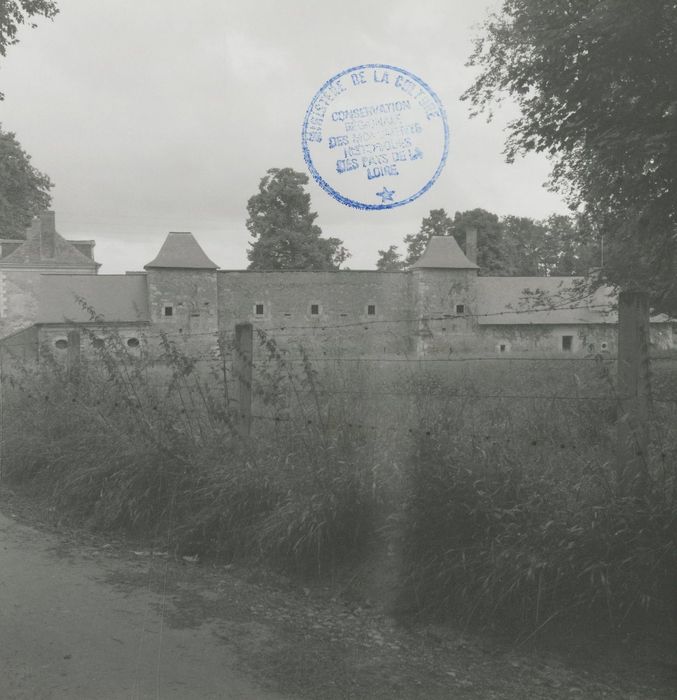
x: 133, y: 343
x: 61, y: 344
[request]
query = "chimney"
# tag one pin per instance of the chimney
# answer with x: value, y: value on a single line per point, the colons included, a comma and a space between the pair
x: 47, y: 234
x: 471, y: 244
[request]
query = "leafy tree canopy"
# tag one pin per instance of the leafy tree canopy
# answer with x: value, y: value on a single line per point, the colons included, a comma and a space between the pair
x: 437, y: 223
x: 491, y: 255
x: 280, y: 221
x: 389, y: 260
x: 510, y: 245
x: 14, y: 13
x: 596, y: 85
x: 24, y: 191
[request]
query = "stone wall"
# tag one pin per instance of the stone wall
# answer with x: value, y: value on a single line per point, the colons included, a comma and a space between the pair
x: 18, y: 299
x: 183, y: 304
x: 445, y: 301
x: 333, y: 313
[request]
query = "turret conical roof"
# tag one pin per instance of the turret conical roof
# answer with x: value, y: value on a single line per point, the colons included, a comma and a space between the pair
x: 445, y: 253
x: 181, y: 250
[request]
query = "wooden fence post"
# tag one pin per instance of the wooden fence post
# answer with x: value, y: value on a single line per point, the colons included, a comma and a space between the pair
x: 242, y: 370
x: 633, y: 392
x: 73, y: 356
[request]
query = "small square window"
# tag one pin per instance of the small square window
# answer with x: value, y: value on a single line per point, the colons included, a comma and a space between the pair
x: 371, y: 309
x: 314, y: 309
x: 567, y: 343
x: 258, y: 309
x: 460, y: 308
x: 169, y: 310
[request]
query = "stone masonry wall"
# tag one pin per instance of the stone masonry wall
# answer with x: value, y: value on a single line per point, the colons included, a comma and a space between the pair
x: 183, y: 304
x: 445, y: 301
x: 357, y: 313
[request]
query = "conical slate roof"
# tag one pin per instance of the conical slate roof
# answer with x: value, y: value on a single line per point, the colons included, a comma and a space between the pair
x: 180, y: 249
x: 444, y: 252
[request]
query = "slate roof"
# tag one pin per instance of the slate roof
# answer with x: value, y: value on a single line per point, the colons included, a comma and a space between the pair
x: 29, y: 253
x: 181, y: 250
x: 443, y: 252
x: 116, y: 298
x: 527, y: 300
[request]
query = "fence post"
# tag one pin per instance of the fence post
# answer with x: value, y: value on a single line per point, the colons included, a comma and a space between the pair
x: 243, y: 359
x: 73, y: 356
x: 633, y: 392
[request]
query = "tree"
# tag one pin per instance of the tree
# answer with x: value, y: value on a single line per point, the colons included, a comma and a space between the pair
x: 528, y: 249
x: 576, y: 243
x: 491, y: 252
x: 437, y: 223
x: 596, y: 87
x: 24, y: 191
x: 389, y: 260
x: 14, y: 13
x: 281, y: 222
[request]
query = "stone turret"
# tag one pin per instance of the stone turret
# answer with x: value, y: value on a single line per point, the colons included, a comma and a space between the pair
x: 445, y: 294
x: 182, y: 288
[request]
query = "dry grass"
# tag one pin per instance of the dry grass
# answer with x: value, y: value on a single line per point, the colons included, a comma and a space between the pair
x: 492, y: 479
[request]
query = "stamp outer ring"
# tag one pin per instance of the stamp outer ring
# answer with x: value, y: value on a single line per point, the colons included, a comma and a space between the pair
x: 362, y: 205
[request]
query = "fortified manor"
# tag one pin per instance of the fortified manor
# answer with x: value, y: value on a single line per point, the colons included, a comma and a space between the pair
x: 442, y: 306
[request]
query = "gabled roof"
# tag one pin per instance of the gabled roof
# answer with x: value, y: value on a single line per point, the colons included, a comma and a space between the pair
x: 181, y: 250
x: 443, y: 252
x: 59, y: 253
x: 114, y: 298
x: 542, y: 300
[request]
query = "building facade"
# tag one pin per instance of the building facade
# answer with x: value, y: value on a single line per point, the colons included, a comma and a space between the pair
x: 441, y: 307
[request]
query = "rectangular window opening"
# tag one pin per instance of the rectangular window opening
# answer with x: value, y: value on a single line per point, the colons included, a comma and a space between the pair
x: 169, y: 310
x: 314, y: 309
x: 460, y: 308
x: 502, y: 348
x: 258, y: 309
x: 371, y: 309
x: 567, y: 343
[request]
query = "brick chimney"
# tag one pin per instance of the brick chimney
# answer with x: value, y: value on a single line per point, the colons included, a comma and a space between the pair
x: 47, y: 235
x: 471, y: 244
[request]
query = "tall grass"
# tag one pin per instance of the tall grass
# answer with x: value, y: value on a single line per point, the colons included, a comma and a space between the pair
x: 504, y: 510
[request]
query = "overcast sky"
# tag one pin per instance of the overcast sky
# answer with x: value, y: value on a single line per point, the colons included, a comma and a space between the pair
x: 159, y: 115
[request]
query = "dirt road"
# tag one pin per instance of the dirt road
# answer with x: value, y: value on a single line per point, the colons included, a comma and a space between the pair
x: 67, y: 632
x: 83, y: 617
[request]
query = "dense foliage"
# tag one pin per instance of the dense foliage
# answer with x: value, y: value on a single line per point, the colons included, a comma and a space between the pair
x: 284, y: 229
x: 509, y: 245
x: 595, y: 84
x: 24, y: 190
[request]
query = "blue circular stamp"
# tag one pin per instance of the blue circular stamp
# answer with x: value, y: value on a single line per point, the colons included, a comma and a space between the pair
x: 375, y: 137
